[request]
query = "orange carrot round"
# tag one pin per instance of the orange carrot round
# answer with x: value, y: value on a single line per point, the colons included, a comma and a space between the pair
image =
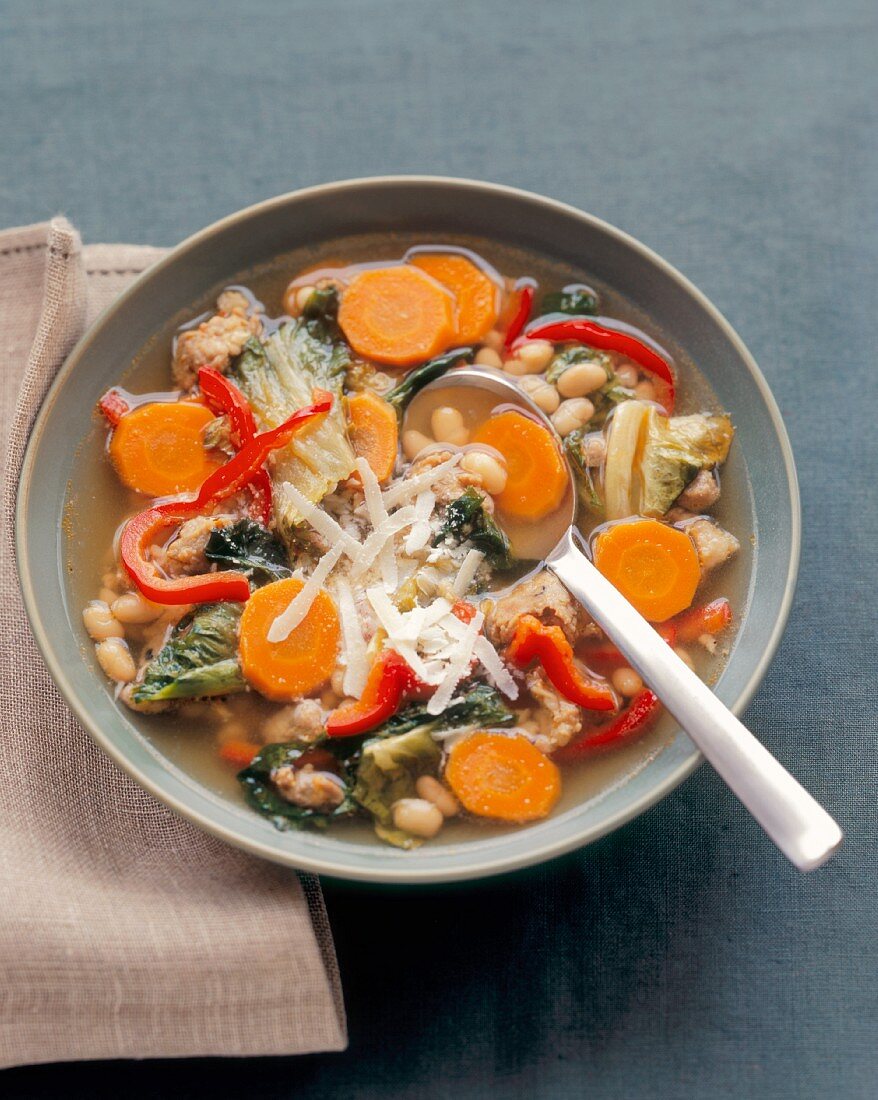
x: 477, y: 294
x: 537, y: 477
x: 374, y: 431
x: 653, y: 565
x: 158, y: 450
x: 300, y: 664
x: 397, y: 315
x: 503, y: 777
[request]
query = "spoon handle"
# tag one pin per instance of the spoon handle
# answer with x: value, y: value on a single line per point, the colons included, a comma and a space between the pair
x: 798, y: 825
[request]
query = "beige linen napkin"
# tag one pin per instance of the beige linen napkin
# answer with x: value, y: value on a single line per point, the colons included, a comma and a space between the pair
x: 124, y: 931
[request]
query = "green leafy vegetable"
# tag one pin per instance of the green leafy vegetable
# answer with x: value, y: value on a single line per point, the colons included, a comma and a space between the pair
x: 277, y: 379
x: 467, y: 521
x: 251, y: 548
x: 400, y: 751
x: 587, y: 483
x: 576, y: 299
x: 199, y: 659
x: 264, y: 797
x: 675, y: 449
x: 416, y: 379
x: 388, y: 770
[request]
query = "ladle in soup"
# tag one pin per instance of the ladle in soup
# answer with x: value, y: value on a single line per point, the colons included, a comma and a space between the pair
x: 798, y: 825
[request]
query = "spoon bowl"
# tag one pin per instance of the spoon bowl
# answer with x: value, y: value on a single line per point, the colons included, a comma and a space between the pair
x: 799, y: 826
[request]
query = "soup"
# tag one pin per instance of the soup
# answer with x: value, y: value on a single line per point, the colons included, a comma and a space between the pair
x: 325, y: 588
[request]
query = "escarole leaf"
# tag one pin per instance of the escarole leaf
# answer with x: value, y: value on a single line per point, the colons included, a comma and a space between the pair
x: 278, y: 379
x: 466, y: 520
x: 388, y: 770
x: 623, y: 451
x: 250, y: 548
x: 587, y: 476
x: 577, y: 299
x: 260, y: 792
x: 416, y: 379
x: 675, y: 449
x: 482, y: 707
x: 200, y: 658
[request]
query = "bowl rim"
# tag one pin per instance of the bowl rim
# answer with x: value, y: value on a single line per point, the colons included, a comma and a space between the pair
x: 407, y: 872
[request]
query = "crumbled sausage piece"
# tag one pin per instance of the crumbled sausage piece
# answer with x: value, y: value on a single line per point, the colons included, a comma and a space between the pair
x: 714, y: 545
x: 453, y: 483
x: 304, y: 722
x: 542, y: 595
x: 185, y: 555
x: 559, y: 719
x: 701, y: 493
x: 216, y: 341
x: 308, y: 788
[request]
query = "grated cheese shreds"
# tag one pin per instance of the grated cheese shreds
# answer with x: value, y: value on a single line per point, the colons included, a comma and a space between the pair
x: 321, y: 521
x: 468, y: 569
x: 300, y: 605
x: 410, y: 486
x: 457, y: 666
x: 498, y: 673
x: 372, y: 547
x: 377, y: 516
x: 420, y: 533
x: 357, y: 665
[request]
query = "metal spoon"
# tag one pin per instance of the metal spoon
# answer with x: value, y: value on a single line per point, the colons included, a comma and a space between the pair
x: 798, y: 825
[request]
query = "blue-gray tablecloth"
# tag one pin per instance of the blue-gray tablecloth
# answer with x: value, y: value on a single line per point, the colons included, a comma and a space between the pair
x: 681, y: 957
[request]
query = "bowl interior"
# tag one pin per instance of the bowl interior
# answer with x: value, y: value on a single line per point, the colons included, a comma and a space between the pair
x: 404, y: 205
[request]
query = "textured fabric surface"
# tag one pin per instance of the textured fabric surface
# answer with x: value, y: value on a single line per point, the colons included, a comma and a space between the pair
x: 680, y: 958
x: 124, y: 931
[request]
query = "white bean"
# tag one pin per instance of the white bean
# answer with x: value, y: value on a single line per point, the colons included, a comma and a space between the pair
x: 627, y: 682
x: 100, y: 622
x: 580, y: 379
x: 433, y: 791
x: 541, y: 392
x: 488, y: 469
x: 133, y: 608
x: 493, y: 339
x: 413, y: 442
x: 572, y: 414
x: 448, y: 427
x: 302, y: 296
x: 644, y: 391
x: 418, y: 817
x: 536, y: 355
x: 116, y: 661
x: 488, y: 357
x: 108, y: 595
x: 627, y: 374
x: 515, y: 366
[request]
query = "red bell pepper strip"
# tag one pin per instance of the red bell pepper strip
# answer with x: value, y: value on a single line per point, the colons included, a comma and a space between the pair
x: 114, y: 406
x: 390, y: 680
x: 225, y: 399
x: 631, y: 723
x: 595, y: 335
x: 547, y: 644
x: 711, y: 619
x: 464, y: 610
x: 144, y: 529
x: 516, y: 325
x: 606, y: 653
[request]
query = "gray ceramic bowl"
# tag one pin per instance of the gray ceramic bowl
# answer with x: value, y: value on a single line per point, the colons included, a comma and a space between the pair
x: 421, y: 204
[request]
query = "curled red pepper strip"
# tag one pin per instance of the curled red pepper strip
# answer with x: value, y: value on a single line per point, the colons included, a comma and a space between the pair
x: 713, y: 618
x: 516, y: 325
x: 225, y: 399
x: 631, y: 723
x: 144, y: 529
x: 606, y: 653
x: 113, y: 405
x: 390, y: 680
x: 547, y: 644
x: 608, y: 339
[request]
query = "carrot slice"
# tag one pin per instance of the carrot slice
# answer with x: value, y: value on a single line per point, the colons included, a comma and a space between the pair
x: 653, y: 565
x: 537, y: 476
x: 374, y: 431
x: 505, y: 778
x: 397, y: 315
x: 239, y: 753
x: 287, y: 670
x: 477, y: 294
x: 157, y: 449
